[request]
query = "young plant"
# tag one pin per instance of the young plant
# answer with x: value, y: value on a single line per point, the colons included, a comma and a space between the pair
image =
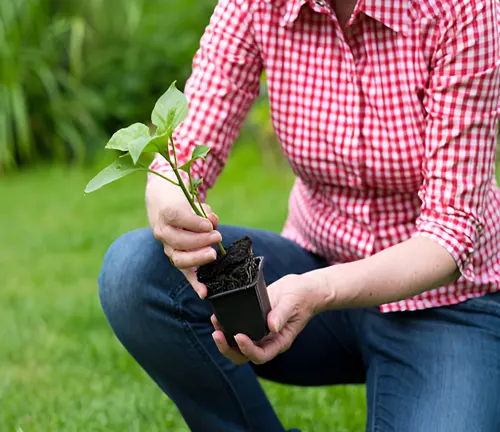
x: 235, y: 282
x: 140, y: 147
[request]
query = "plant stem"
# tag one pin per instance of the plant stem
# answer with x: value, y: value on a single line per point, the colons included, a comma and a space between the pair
x: 201, y: 206
x: 173, y: 151
x: 162, y: 176
x: 195, y: 194
x: 181, y: 184
x: 221, y: 248
x: 219, y: 245
x: 190, y: 197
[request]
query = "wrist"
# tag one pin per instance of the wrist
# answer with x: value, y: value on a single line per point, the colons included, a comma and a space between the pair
x: 320, y: 290
x: 341, y: 287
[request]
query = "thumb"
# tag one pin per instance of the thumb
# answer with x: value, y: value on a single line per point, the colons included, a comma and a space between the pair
x: 191, y: 277
x: 281, y: 313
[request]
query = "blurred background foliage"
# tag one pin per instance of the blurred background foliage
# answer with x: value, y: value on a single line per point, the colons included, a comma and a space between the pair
x: 72, y: 72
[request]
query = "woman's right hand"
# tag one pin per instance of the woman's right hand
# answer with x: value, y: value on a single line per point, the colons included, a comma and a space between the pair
x: 186, y: 237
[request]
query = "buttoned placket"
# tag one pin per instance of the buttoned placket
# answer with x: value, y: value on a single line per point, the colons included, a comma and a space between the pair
x: 353, y: 111
x: 351, y: 150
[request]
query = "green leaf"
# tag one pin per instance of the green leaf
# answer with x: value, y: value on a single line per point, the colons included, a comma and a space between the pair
x: 121, y: 167
x: 200, y: 152
x: 196, y: 184
x: 140, y: 146
x: 137, y: 147
x: 122, y: 139
x: 157, y: 143
x: 170, y: 110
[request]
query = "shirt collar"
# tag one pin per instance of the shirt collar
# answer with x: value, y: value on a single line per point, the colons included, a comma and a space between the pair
x: 391, y: 13
x: 292, y: 9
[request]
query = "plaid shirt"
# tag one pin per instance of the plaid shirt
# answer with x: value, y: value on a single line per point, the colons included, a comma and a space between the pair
x: 389, y: 126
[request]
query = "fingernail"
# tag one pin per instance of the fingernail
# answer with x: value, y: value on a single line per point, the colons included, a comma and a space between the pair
x: 206, y: 225
x: 277, y: 325
x: 215, y: 237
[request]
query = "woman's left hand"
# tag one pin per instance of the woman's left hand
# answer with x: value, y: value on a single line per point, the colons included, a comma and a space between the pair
x: 294, y: 301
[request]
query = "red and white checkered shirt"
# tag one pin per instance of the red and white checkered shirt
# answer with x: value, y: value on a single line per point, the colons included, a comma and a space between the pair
x: 390, y: 128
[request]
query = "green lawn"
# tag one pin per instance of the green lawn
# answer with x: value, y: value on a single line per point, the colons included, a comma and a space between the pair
x: 61, y: 368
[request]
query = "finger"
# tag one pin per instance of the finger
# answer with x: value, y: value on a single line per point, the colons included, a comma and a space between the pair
x: 215, y: 323
x: 282, y: 312
x: 269, y: 348
x: 231, y: 353
x: 180, y: 239
x: 196, y: 258
x: 211, y: 215
x: 283, y: 307
x: 168, y: 251
x: 214, y: 219
x: 183, y: 217
x: 199, y: 288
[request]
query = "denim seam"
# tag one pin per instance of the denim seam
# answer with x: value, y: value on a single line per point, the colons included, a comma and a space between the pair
x: 206, y: 356
x: 372, y: 421
x: 177, y: 293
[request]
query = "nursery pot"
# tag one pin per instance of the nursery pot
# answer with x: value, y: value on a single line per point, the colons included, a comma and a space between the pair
x: 244, y: 309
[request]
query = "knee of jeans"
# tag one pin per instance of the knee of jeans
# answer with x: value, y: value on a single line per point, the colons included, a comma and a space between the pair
x: 125, y: 281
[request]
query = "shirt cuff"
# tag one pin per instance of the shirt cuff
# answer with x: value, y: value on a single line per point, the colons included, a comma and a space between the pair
x: 460, y: 246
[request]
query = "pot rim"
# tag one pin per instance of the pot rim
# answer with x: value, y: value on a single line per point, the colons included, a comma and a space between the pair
x: 243, y: 288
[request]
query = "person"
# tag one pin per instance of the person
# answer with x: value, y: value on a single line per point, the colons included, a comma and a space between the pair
x: 387, y: 271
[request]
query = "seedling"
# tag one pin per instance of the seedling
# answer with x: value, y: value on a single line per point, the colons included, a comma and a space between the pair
x: 140, y: 147
x: 234, y: 280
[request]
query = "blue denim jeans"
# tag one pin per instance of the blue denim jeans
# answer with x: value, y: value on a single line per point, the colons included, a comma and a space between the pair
x: 435, y: 370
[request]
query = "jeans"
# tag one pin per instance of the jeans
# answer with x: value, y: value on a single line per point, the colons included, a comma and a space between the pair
x: 436, y: 370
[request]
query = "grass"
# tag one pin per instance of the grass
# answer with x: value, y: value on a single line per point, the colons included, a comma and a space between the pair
x: 61, y: 368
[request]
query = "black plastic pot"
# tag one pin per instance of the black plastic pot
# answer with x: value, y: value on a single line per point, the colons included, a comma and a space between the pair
x: 244, y: 310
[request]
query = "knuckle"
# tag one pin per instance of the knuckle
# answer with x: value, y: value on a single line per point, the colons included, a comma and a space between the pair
x: 183, y: 260
x: 157, y: 232
x: 171, y: 237
x: 176, y: 259
x: 174, y: 242
x: 170, y: 214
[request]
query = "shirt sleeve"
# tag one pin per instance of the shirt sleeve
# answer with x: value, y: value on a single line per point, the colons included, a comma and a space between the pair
x: 462, y: 105
x: 222, y: 87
